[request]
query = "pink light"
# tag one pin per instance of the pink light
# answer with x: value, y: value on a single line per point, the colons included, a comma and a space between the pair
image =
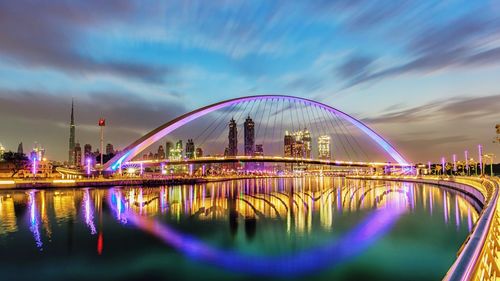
x: 480, y: 150
x: 34, y: 166
x: 443, y: 164
x: 467, y: 160
x: 152, y: 137
x: 88, y: 166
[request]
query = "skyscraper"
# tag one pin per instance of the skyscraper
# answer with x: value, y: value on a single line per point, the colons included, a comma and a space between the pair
x: 288, y: 145
x: 110, y: 149
x: 87, y: 152
x: 233, y: 139
x: 20, y: 148
x: 190, y: 149
x: 249, y: 136
x: 198, y: 152
x: 161, y: 152
x: 71, y: 158
x: 176, y: 152
x: 324, y: 147
x: 77, y: 155
x: 168, y: 148
x: 2, y: 151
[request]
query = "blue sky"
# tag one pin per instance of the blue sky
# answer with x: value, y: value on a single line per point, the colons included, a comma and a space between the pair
x: 423, y: 73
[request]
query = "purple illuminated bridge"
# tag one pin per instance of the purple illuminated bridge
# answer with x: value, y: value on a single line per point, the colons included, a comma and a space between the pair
x: 157, y: 134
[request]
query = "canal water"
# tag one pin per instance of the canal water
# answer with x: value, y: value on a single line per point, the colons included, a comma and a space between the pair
x: 310, y: 228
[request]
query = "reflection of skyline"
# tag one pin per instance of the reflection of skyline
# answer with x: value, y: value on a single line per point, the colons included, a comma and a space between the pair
x: 250, y: 200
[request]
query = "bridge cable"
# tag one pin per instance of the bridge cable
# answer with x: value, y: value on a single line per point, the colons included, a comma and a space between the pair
x: 274, y: 127
x: 330, y: 123
x: 358, y: 145
x: 223, y: 116
x: 267, y: 125
x: 343, y: 127
x: 215, y: 121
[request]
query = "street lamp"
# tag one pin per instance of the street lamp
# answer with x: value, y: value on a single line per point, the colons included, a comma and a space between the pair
x: 34, y: 167
x: 467, y: 162
x: 480, y: 151
x: 443, y: 166
x: 490, y: 156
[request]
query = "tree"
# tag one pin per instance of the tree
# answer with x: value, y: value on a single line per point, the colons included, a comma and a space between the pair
x: 18, y: 161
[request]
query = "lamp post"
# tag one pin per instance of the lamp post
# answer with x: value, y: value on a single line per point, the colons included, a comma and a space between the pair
x: 102, y: 124
x: 467, y: 162
x: 88, y: 167
x: 454, y: 163
x: 480, y: 151
x: 443, y: 165
x: 34, y: 168
x: 429, y: 167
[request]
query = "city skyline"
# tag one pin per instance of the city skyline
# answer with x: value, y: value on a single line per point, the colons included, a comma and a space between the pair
x: 434, y: 68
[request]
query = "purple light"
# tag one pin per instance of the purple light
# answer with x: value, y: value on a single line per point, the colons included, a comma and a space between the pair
x: 443, y: 164
x: 429, y: 166
x: 88, y: 166
x: 373, y: 227
x: 141, y: 169
x: 480, y: 151
x: 34, y: 166
x: 160, y: 132
x: 467, y: 160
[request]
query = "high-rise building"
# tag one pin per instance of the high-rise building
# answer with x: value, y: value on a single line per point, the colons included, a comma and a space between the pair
x: 161, y: 152
x: 249, y: 136
x: 198, y: 152
x: 71, y: 156
x: 324, y: 147
x: 233, y: 139
x: 78, y: 155
x: 190, y: 149
x: 288, y: 145
x: 2, y: 151
x: 168, y: 148
x: 87, y: 152
x: 20, y: 149
x: 297, y: 144
x: 110, y: 149
x: 176, y: 152
x: 259, y: 150
x: 38, y: 152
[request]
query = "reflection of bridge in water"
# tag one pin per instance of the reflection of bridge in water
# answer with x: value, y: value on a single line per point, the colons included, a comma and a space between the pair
x: 293, y: 201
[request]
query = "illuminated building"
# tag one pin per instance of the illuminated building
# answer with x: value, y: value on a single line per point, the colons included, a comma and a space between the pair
x: 259, y: 151
x: 232, y: 148
x: 38, y: 152
x: 77, y: 155
x: 168, y: 148
x: 288, y: 144
x: 324, y: 147
x: 87, y: 152
x: 190, y: 149
x: 199, y: 152
x: 249, y: 136
x: 176, y: 152
x: 297, y: 144
x: 71, y: 158
x: 2, y: 151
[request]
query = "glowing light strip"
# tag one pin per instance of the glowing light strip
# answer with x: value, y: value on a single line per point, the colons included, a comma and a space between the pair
x: 361, y: 237
x: 157, y: 134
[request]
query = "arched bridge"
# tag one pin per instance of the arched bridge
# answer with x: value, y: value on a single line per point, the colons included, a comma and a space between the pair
x: 274, y: 115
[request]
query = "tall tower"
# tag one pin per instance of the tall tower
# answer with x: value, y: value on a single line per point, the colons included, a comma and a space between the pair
x: 249, y: 135
x: 71, y: 158
x: 233, y: 139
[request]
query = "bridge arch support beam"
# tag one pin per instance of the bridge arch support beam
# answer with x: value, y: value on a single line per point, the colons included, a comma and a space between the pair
x: 155, y: 135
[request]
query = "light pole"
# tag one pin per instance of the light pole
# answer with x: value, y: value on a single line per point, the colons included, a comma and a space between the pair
x: 102, y: 123
x: 442, y: 165
x: 490, y: 156
x: 34, y: 167
x: 467, y: 162
x: 480, y: 151
x: 88, y: 167
x: 454, y: 163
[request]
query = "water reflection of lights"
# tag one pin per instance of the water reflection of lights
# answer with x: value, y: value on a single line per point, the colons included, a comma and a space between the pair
x: 89, y: 212
x: 34, y: 220
x: 352, y: 243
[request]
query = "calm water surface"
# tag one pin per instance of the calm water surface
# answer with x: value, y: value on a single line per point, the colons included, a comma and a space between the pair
x: 314, y: 228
